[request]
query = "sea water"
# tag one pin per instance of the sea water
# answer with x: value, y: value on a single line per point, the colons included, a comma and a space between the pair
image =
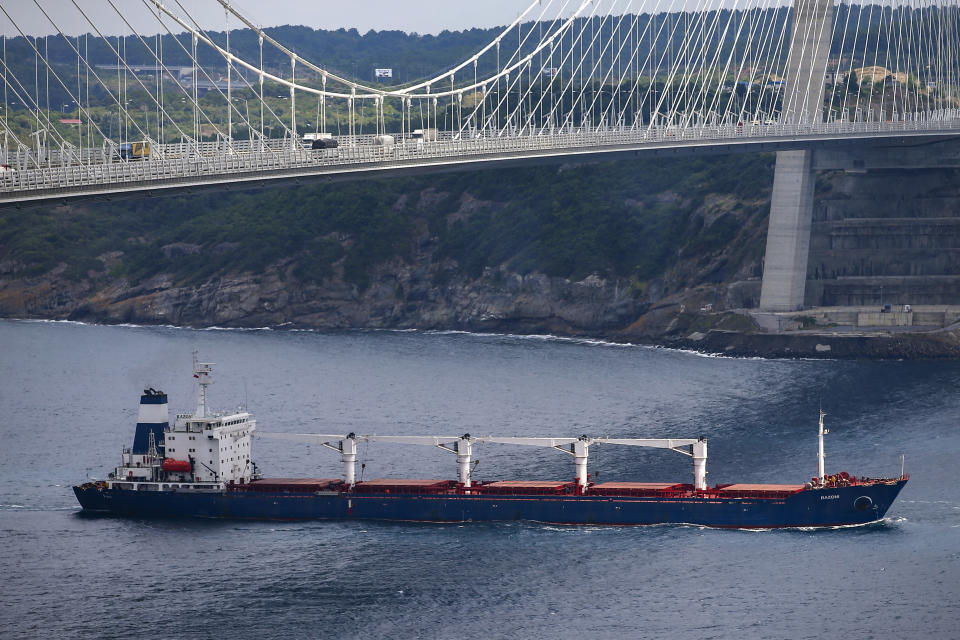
x: 68, y: 404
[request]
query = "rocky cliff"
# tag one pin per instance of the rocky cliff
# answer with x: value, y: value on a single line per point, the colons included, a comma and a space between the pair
x: 632, y: 251
x: 493, y: 252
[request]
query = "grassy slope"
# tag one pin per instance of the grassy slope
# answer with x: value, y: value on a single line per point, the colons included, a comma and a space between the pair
x: 626, y: 220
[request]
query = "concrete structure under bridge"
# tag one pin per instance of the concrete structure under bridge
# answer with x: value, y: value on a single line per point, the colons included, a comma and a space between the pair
x: 883, y: 228
x: 784, y: 286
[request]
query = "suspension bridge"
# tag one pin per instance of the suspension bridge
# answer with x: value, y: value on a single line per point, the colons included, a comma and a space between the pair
x: 170, y: 105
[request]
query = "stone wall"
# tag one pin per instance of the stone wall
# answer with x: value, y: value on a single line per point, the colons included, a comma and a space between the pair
x: 889, y: 236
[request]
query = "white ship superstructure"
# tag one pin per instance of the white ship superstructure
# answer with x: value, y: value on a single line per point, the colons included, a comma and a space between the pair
x: 205, y: 449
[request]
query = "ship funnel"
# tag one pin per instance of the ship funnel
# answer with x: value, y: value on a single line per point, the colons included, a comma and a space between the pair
x: 153, y: 417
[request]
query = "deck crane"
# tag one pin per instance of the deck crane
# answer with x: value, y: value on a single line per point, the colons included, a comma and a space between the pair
x: 462, y: 446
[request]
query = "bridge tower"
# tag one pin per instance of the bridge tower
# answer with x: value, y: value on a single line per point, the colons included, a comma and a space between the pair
x: 791, y: 204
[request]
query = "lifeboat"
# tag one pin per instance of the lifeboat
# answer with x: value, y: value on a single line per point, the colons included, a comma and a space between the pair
x: 176, y: 465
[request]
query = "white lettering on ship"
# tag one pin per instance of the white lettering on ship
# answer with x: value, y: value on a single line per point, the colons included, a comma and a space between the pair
x: 835, y: 496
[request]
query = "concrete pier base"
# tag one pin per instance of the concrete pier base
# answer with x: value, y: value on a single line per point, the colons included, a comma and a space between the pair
x: 791, y: 205
x: 788, y: 233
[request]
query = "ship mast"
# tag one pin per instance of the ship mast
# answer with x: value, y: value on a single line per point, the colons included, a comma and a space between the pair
x: 152, y: 452
x: 201, y: 371
x: 820, y: 455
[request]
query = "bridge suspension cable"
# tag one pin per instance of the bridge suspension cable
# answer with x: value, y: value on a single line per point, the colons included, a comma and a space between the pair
x: 171, y: 98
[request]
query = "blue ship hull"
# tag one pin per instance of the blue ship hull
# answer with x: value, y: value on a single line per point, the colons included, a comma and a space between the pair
x: 809, y: 508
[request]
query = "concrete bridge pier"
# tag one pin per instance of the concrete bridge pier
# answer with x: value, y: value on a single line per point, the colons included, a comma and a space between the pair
x: 788, y: 232
x: 791, y: 203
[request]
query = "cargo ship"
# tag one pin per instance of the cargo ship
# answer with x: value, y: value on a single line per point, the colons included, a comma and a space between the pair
x: 201, y: 466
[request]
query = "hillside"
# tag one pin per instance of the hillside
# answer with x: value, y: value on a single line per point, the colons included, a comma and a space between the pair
x: 411, y: 57
x: 570, y: 249
x: 647, y: 250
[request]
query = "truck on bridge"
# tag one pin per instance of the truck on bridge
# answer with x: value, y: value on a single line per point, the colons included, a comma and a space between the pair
x: 134, y: 150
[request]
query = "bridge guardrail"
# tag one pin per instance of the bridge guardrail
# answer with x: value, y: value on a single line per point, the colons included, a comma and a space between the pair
x: 185, y: 162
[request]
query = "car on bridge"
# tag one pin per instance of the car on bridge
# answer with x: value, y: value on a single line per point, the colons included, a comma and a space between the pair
x: 319, y: 141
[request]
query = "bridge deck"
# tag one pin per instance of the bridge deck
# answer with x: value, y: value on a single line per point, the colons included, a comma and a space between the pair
x: 187, y: 168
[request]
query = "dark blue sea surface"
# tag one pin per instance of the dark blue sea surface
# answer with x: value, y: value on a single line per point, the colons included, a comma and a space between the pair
x: 68, y: 403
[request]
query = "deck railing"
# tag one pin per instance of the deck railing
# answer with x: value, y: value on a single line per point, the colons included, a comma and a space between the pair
x: 68, y: 174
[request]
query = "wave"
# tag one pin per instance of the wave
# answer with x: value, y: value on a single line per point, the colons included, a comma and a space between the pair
x: 599, y: 342
x: 45, y: 320
x: 133, y: 325
x: 80, y: 323
x: 536, y: 337
x: 38, y: 507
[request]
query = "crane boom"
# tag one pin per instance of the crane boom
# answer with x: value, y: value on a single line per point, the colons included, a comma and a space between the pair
x: 579, y: 448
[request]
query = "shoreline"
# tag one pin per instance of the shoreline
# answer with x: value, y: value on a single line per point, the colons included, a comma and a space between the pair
x: 941, y: 345
x: 936, y: 345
